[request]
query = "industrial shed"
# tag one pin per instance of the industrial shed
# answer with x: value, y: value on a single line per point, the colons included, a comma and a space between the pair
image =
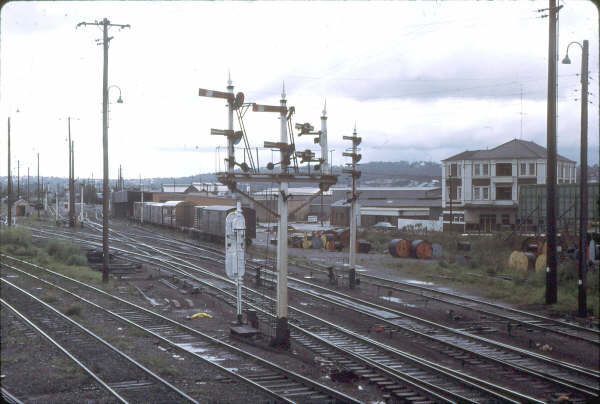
x: 399, y: 213
x: 531, y: 214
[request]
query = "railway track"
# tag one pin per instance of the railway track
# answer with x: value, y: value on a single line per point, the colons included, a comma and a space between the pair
x: 123, y: 377
x: 422, y: 389
x: 507, y: 315
x: 279, y: 384
x: 454, y: 348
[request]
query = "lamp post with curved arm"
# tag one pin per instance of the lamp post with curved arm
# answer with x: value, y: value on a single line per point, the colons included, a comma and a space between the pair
x: 119, y: 101
x: 583, y: 197
x: 105, y: 186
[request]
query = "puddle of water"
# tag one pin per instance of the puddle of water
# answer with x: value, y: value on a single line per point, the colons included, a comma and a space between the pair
x: 162, y: 349
x: 119, y: 329
x: 178, y: 357
x: 415, y: 282
x: 12, y: 276
x: 200, y: 352
x: 303, y: 304
x: 396, y: 300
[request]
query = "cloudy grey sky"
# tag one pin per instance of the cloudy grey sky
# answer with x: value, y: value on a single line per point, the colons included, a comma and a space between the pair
x: 423, y: 80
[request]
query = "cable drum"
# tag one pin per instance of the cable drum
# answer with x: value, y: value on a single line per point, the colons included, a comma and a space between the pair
x: 421, y: 249
x: 399, y: 248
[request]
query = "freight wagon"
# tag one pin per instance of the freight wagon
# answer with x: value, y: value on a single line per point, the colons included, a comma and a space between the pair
x: 209, y: 222
x: 205, y: 222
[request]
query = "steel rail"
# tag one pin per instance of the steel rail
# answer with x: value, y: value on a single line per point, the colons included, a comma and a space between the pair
x: 534, y: 317
x: 194, y: 267
x: 9, y: 398
x: 427, y: 389
x: 97, y: 338
x: 566, y: 365
x: 301, y: 379
x: 404, y: 378
x: 22, y: 317
x: 572, y: 367
x: 581, y: 388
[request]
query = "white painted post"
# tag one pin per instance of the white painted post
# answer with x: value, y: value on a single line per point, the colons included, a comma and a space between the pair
x: 230, y: 149
x: 282, y: 331
x: 324, y: 154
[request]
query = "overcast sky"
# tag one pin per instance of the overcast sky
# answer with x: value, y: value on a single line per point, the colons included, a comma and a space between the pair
x: 423, y: 80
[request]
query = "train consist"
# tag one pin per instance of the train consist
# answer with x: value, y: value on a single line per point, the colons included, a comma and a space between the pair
x: 203, y: 222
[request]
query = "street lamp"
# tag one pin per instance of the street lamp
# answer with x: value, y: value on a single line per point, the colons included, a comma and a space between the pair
x: 119, y: 101
x: 583, y: 208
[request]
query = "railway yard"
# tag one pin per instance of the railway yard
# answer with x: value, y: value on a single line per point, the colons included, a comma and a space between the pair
x: 163, y: 330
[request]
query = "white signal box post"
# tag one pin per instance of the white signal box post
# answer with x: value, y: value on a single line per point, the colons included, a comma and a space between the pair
x: 288, y: 172
x: 235, y: 264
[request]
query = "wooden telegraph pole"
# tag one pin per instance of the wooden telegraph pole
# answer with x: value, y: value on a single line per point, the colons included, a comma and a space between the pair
x: 105, y: 23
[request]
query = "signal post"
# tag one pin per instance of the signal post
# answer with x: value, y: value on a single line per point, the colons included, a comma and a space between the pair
x: 353, y: 203
x: 287, y: 173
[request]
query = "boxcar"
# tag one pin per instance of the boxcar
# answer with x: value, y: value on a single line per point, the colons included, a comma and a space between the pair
x: 209, y: 221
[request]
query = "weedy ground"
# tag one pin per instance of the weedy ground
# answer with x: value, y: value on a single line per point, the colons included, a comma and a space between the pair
x: 485, y: 269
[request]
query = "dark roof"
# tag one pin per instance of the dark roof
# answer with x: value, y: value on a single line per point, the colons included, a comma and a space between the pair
x: 520, y: 149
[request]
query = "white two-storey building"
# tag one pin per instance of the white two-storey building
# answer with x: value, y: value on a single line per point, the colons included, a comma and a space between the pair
x: 480, y: 188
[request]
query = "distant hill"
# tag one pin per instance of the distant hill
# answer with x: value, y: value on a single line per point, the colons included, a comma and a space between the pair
x: 400, y: 173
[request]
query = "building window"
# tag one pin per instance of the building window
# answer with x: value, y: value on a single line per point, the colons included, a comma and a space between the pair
x: 481, y: 193
x: 486, y: 169
x: 505, y: 219
x: 487, y: 219
x: 454, y: 170
x: 531, y: 168
x: 523, y: 169
x: 459, y: 193
x: 503, y: 193
x: 476, y: 169
x: 503, y: 169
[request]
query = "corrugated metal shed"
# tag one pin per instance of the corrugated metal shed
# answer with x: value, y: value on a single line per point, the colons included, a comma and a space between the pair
x: 532, y: 205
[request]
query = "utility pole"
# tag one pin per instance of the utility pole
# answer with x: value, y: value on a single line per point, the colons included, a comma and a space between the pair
x: 551, y: 268
x: 56, y: 213
x: 82, y: 186
x: 353, y: 203
x: 38, y: 186
x: 27, y: 184
x: 18, y: 179
x: 9, y: 180
x: 71, y: 183
x: 583, y: 262
x: 105, y: 23
x: 583, y: 186
x: 142, y: 199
